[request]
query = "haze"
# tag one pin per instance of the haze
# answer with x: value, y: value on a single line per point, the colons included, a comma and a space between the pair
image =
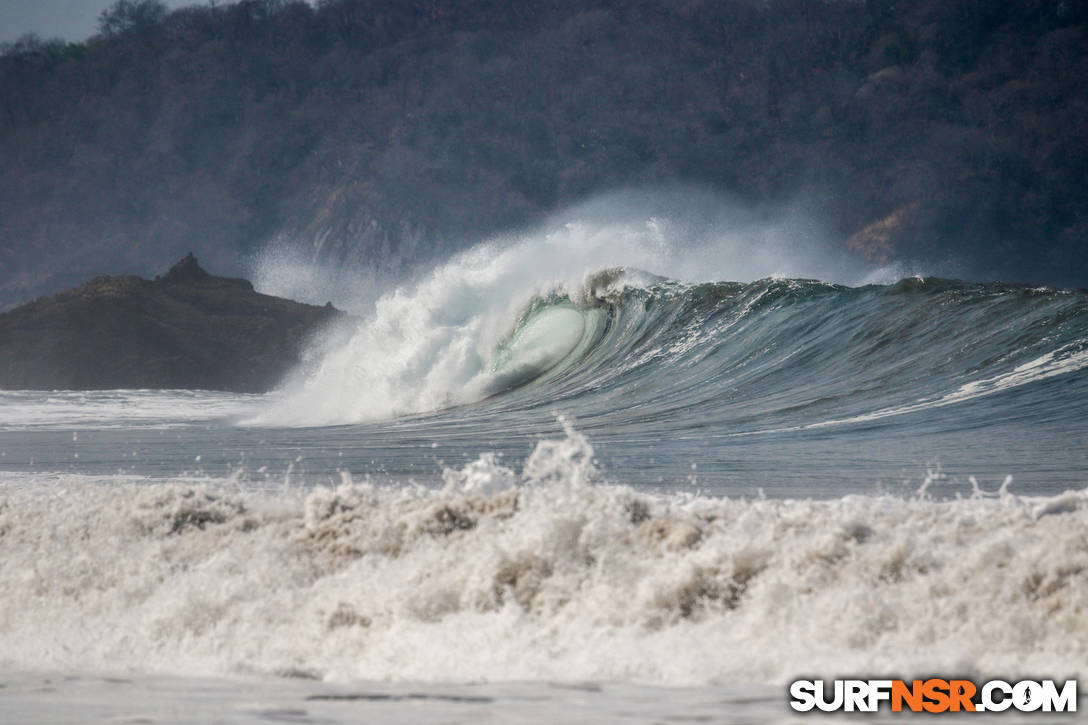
x: 69, y: 19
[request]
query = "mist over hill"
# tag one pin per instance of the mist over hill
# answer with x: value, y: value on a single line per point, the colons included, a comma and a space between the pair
x: 366, y: 134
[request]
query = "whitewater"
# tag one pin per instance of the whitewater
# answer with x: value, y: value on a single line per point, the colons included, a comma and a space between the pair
x: 583, y: 471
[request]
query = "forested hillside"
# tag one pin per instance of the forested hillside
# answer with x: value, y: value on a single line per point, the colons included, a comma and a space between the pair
x: 374, y: 132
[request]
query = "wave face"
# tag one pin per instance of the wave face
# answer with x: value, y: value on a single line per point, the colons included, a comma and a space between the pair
x: 542, y: 574
x: 658, y: 355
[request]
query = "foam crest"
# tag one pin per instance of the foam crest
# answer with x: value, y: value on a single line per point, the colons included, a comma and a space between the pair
x: 540, y: 574
x: 434, y: 345
x: 431, y: 343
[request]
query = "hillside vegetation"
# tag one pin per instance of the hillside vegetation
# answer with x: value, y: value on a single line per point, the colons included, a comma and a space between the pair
x: 373, y: 132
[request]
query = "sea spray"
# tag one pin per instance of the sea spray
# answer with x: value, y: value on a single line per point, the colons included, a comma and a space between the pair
x: 540, y: 574
x: 431, y: 340
x: 434, y: 345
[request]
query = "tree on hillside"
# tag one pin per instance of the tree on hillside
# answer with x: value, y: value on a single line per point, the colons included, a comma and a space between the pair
x: 27, y: 44
x: 125, y: 15
x: 32, y: 48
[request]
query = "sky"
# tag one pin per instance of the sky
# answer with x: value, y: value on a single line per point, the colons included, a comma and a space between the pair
x: 68, y: 19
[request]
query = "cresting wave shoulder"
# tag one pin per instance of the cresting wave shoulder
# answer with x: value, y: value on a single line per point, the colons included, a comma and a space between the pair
x: 538, y: 575
x: 795, y: 354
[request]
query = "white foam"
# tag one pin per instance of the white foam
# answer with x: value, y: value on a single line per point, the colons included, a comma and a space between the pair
x: 434, y: 345
x: 431, y: 343
x: 538, y: 575
x: 67, y: 409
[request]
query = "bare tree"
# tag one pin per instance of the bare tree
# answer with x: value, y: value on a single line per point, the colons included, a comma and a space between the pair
x: 124, y: 15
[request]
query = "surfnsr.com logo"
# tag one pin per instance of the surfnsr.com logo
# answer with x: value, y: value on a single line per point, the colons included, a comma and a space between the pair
x: 933, y: 695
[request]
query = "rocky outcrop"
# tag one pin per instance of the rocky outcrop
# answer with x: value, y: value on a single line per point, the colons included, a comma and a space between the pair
x: 186, y: 329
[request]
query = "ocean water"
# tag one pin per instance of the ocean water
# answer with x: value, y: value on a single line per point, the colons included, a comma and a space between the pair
x: 521, y: 491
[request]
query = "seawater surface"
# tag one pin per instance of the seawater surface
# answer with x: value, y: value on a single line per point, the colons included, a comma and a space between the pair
x: 614, y: 496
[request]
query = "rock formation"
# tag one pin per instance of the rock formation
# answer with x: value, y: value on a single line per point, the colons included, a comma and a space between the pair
x: 186, y: 329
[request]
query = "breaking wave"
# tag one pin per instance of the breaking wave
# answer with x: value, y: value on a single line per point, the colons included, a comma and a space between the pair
x: 504, y: 330
x: 537, y: 575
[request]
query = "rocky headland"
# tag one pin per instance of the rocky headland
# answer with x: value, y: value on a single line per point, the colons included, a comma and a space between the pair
x: 186, y: 329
